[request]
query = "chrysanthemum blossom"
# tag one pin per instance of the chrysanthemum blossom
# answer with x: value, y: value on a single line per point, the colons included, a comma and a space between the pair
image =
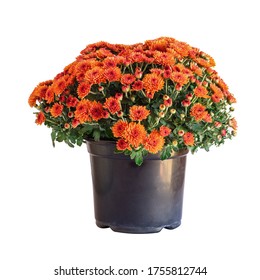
x: 201, y: 91
x: 82, y: 111
x: 40, y: 119
x: 138, y: 113
x: 83, y: 89
x: 198, y: 111
x: 118, y: 128
x: 154, y: 142
x: 188, y: 138
x: 152, y: 83
x: 112, y: 74
x: 127, y: 79
x: 56, y: 110
x: 122, y: 145
x: 135, y: 134
x: 113, y: 105
x: 165, y: 131
x: 96, y: 111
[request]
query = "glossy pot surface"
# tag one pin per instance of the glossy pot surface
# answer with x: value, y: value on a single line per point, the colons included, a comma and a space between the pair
x: 136, y: 199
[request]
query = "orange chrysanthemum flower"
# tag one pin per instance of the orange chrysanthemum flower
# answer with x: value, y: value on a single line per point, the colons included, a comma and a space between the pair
x: 38, y: 94
x: 188, y: 139
x: 127, y: 79
x: 33, y: 98
x: 160, y: 44
x: 83, y: 89
x: 71, y: 101
x: 113, y: 105
x: 207, y: 118
x: 75, y: 123
x: 198, y: 111
x: 49, y: 96
x: 180, y: 78
x: 217, y: 95
x: 82, y: 111
x: 135, y: 134
x: 196, y: 69
x: 56, y: 110
x: 164, y: 58
x: 82, y: 66
x: 233, y: 123
x: 95, y: 75
x: 96, y: 111
x: 110, y: 62
x: 154, y: 142
x: 122, y: 145
x: 203, y: 62
x: 138, y: 113
x: 152, y: 83
x: 165, y: 131
x: 112, y: 74
x: 59, y: 85
x: 201, y: 91
x: 40, y: 119
x: 230, y: 97
x: 118, y: 128
x: 137, y: 85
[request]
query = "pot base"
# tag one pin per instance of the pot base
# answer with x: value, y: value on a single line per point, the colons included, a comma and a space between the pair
x: 138, y: 230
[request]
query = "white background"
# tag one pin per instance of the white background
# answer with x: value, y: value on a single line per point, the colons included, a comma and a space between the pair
x: 46, y: 205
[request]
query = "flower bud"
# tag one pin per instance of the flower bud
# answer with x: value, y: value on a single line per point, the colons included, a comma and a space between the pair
x: 234, y: 132
x: 174, y: 143
x: 185, y: 103
x: 217, y: 124
x: 189, y: 96
x: 166, y: 97
x: 193, y: 79
x: 182, y: 116
x: 223, y: 132
x: 120, y: 114
x: 162, y: 107
x: 168, y: 102
x: 125, y: 88
x: 66, y: 126
x: 119, y: 96
x: 70, y: 114
x: 161, y: 114
x: 172, y: 111
x: 181, y: 132
x: 178, y: 87
x: 106, y: 115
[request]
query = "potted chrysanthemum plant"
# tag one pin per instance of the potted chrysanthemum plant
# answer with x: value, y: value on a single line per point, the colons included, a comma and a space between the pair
x: 140, y: 108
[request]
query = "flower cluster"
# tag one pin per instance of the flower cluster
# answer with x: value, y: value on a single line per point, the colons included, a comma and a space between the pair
x: 154, y: 97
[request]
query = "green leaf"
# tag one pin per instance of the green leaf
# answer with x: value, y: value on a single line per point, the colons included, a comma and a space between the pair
x: 163, y: 122
x: 53, y: 137
x: 60, y: 136
x: 69, y: 143
x: 133, y: 154
x: 139, y: 158
x: 96, y: 134
x: 166, y: 152
x: 79, y: 141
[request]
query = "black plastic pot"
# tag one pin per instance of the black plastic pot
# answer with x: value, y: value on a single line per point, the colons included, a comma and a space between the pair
x: 136, y: 199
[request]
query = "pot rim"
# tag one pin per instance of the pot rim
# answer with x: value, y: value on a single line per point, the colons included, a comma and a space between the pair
x: 110, y: 152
